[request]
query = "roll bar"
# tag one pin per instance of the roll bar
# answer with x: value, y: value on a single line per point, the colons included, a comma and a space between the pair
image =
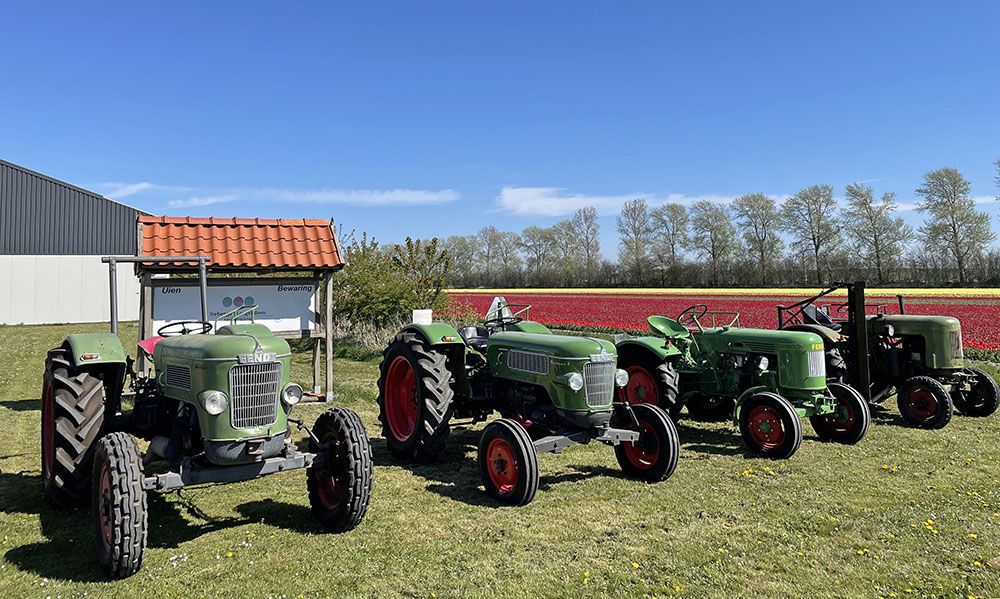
x: 112, y: 262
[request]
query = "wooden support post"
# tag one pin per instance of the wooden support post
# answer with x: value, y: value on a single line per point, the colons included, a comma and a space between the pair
x: 317, y: 388
x: 145, y: 318
x: 329, y: 336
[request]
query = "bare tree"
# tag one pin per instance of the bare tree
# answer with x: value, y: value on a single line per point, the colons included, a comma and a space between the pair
x: 670, y: 235
x: 588, y: 232
x: 462, y: 251
x: 635, y: 230
x: 810, y: 217
x: 569, y: 254
x: 759, y: 220
x: 954, y: 224
x: 538, y: 245
x: 996, y: 179
x: 713, y: 236
x: 876, y: 234
x: 487, y: 242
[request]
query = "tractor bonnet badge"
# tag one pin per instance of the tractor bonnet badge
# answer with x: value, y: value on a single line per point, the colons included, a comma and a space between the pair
x: 258, y: 357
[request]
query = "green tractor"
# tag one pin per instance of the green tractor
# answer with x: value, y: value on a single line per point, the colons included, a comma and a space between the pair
x: 764, y: 380
x: 215, y: 409
x: 918, y: 357
x: 551, y: 391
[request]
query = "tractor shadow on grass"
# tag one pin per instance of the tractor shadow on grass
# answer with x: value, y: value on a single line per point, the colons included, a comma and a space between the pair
x: 883, y: 415
x: 279, y: 514
x: 22, y: 405
x: 723, y: 440
x: 68, y: 551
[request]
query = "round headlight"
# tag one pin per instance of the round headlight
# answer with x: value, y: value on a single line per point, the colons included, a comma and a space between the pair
x: 621, y: 378
x: 575, y: 381
x: 763, y: 363
x: 890, y: 330
x: 292, y: 394
x: 215, y: 402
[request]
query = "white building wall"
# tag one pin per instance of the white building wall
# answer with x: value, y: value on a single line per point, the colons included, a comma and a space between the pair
x: 57, y: 289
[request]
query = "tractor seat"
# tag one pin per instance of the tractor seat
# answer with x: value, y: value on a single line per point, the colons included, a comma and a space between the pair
x: 474, y: 337
x: 147, y: 345
x: 815, y: 316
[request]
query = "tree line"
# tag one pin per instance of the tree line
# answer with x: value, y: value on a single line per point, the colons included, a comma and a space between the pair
x: 809, y: 238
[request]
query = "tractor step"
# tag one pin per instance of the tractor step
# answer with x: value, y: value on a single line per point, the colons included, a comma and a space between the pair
x: 557, y: 443
x: 191, y: 474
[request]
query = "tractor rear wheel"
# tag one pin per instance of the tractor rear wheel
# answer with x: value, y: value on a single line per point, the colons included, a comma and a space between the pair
x: 414, y: 398
x: 508, y: 464
x: 119, y: 505
x: 340, y: 486
x: 923, y: 401
x: 72, y: 418
x: 650, y: 381
x: 710, y: 408
x: 982, y: 399
x: 849, y: 423
x: 653, y: 457
x: 770, y: 426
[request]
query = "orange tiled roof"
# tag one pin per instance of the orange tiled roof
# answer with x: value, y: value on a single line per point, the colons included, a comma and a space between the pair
x: 242, y: 242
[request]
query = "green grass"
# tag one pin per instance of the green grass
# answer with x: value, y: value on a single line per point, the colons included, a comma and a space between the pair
x: 833, y: 521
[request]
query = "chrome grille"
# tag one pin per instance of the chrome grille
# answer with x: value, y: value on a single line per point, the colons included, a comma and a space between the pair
x: 177, y: 376
x: 817, y: 363
x: 253, y: 394
x: 528, y: 362
x: 599, y: 382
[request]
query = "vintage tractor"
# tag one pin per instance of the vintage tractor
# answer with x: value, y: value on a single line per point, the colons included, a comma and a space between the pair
x: 551, y: 391
x: 216, y: 408
x: 764, y: 380
x: 918, y: 357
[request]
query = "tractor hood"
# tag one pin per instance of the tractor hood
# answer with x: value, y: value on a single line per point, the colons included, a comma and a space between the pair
x: 942, y: 336
x: 557, y: 346
x: 217, y: 347
x: 760, y: 340
x: 914, y: 324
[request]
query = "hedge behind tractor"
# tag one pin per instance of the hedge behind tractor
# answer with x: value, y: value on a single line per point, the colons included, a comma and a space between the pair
x: 918, y: 357
x: 551, y: 391
x: 764, y: 380
x: 216, y: 408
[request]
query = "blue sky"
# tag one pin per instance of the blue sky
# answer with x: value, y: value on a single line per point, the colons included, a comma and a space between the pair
x: 423, y: 118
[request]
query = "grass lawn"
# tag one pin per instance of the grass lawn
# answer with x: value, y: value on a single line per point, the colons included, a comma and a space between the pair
x: 905, y: 513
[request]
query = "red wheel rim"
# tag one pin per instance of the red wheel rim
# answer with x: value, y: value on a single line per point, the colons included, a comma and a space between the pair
x: 501, y: 465
x: 401, y: 399
x: 765, y: 427
x: 922, y: 403
x: 641, y: 387
x: 842, y: 420
x: 104, y: 505
x: 330, y: 493
x: 48, y: 432
x: 644, y: 452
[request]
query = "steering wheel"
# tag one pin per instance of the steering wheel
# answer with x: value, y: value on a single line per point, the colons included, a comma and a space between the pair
x: 183, y: 327
x: 500, y: 322
x: 691, y: 314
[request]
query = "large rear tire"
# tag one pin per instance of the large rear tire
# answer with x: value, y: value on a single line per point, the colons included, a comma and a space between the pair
x: 982, y: 399
x: 508, y: 464
x: 72, y: 420
x: 650, y: 381
x: 849, y: 423
x: 341, y: 486
x: 923, y: 401
x: 119, y: 505
x: 770, y: 426
x: 414, y: 398
x: 653, y: 458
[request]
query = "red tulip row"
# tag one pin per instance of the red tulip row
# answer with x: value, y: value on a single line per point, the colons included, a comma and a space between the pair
x: 979, y: 318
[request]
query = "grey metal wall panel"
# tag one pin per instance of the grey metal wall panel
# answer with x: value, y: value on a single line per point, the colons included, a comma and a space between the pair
x: 40, y: 215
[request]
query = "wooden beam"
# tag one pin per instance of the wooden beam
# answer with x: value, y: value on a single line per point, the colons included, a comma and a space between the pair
x: 316, y: 351
x: 329, y: 336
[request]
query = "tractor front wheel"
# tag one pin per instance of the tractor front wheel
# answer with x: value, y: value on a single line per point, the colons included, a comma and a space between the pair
x: 982, y: 399
x: 414, y: 398
x: 770, y: 426
x: 650, y: 381
x: 340, y: 484
x: 119, y: 505
x: 849, y: 423
x: 508, y: 464
x: 923, y: 401
x: 653, y: 457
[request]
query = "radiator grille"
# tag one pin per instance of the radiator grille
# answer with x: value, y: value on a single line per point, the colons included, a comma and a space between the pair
x: 817, y: 363
x: 253, y: 394
x: 599, y: 382
x: 528, y: 362
x: 177, y: 376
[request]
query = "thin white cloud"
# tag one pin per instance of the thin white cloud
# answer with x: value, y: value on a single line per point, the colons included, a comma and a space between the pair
x: 118, y: 190
x: 556, y: 201
x: 202, y: 201
x: 908, y: 206
x: 356, y: 197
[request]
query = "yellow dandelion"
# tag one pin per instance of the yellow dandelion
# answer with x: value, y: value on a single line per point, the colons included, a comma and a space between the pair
x: 229, y: 554
x: 972, y: 535
x: 635, y: 565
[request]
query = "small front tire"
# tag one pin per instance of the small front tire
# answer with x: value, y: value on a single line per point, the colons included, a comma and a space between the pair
x: 849, y: 423
x: 340, y: 485
x: 982, y: 399
x: 508, y: 464
x: 770, y: 426
x: 119, y: 505
x: 653, y: 458
x: 923, y: 401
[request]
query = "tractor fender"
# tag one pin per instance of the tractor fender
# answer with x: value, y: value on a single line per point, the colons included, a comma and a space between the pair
x: 436, y: 334
x: 829, y: 336
x: 747, y: 394
x: 88, y: 349
x: 657, y: 346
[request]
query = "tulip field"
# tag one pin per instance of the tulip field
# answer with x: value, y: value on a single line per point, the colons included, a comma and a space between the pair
x: 627, y: 309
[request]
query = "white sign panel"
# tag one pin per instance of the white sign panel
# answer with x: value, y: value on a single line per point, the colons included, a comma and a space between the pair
x: 282, y: 307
